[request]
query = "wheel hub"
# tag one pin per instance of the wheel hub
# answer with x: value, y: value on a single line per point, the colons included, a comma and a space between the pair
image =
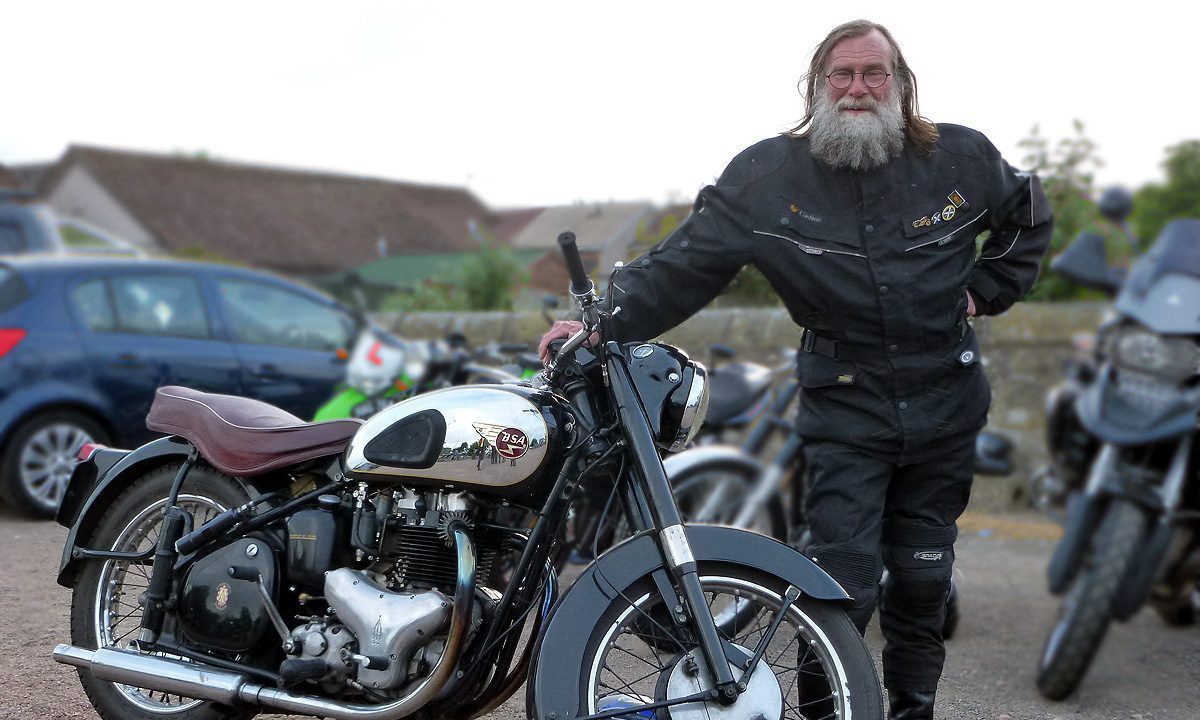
x: 762, y: 697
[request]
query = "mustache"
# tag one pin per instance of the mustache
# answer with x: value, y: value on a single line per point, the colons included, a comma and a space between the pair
x: 861, y: 103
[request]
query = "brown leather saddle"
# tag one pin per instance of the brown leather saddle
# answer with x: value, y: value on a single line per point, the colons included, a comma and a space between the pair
x: 244, y: 437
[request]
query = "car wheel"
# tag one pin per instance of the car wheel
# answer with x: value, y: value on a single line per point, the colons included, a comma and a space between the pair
x: 40, y: 457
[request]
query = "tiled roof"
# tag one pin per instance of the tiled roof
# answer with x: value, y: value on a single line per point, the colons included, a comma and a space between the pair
x: 596, y: 226
x: 283, y: 219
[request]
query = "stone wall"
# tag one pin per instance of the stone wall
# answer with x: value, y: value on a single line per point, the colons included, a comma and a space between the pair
x: 1024, y: 350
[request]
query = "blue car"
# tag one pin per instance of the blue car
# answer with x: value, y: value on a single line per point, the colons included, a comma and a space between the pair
x: 84, y: 343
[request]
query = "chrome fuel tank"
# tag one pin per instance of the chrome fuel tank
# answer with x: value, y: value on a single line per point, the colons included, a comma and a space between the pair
x: 492, y: 439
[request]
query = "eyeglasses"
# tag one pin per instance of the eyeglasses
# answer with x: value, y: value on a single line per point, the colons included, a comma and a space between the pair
x: 842, y: 79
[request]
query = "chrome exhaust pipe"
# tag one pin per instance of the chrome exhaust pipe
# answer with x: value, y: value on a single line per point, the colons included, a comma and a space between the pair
x: 153, y: 671
x: 205, y: 682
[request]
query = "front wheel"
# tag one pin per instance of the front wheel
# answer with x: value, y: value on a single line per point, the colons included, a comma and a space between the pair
x: 1087, y: 609
x: 104, y: 603
x: 816, y: 665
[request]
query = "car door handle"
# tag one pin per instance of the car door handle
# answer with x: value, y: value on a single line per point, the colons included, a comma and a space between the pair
x: 128, y: 361
x: 268, y: 372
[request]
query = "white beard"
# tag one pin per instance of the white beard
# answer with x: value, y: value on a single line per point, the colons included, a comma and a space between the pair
x: 858, y: 142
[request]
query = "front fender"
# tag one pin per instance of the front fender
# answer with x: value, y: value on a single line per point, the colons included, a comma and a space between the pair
x: 679, y: 463
x: 105, y: 490
x: 555, y: 677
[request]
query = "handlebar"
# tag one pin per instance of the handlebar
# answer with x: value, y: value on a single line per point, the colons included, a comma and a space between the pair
x: 580, y: 283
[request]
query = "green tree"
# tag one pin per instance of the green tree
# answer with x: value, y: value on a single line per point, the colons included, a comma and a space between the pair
x: 1066, y: 173
x: 485, y: 280
x: 1156, y: 204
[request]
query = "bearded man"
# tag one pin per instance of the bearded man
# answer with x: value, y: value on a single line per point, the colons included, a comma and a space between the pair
x: 864, y: 220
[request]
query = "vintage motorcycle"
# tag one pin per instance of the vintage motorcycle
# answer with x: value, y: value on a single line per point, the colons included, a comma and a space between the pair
x: 354, y: 570
x: 1131, y: 528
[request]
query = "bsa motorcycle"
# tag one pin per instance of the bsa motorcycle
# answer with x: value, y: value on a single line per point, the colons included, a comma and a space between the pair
x: 1131, y: 527
x: 251, y: 561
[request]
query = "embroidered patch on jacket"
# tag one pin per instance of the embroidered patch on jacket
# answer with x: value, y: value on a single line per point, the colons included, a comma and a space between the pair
x: 946, y: 214
x: 800, y: 212
x: 845, y: 379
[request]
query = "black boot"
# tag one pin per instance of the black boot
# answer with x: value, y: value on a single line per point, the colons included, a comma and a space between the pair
x: 910, y: 705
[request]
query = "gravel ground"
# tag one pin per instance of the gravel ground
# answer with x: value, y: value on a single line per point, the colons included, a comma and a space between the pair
x: 1144, y: 670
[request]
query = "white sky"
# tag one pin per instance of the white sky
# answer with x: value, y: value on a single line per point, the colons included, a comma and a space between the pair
x: 537, y: 103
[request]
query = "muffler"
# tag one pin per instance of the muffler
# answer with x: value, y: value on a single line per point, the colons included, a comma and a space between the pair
x: 204, y: 682
x: 152, y: 671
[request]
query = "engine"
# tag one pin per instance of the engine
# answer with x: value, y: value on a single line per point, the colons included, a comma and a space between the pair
x: 386, y: 623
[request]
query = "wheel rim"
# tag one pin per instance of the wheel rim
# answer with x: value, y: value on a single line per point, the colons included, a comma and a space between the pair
x: 636, y: 665
x: 47, y: 461
x: 118, y: 616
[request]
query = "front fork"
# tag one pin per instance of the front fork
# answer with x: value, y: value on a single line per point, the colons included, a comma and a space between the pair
x: 654, y: 495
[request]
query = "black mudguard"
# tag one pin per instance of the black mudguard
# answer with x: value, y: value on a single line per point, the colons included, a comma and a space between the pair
x: 83, y: 516
x: 553, y: 688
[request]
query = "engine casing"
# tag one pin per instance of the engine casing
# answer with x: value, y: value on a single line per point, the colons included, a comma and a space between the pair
x: 501, y: 440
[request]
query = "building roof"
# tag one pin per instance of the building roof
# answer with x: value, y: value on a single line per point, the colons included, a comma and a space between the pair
x: 9, y: 179
x: 596, y: 225
x: 285, y: 219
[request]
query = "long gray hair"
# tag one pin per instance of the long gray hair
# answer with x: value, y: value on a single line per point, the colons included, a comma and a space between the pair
x: 920, y: 132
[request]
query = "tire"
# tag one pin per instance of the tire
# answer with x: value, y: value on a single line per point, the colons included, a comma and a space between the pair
x: 618, y: 653
x: 131, y: 523
x: 694, y: 489
x: 40, y: 456
x: 1087, y: 609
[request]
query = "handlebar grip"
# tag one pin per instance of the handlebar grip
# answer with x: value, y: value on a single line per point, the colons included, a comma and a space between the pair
x: 580, y: 283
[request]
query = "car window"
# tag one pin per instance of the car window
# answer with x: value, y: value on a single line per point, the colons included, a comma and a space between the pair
x: 269, y: 315
x: 91, y: 303
x: 159, y: 305
x: 12, y: 240
x: 12, y: 289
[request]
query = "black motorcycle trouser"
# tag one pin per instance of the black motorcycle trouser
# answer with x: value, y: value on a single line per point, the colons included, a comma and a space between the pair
x: 866, y: 514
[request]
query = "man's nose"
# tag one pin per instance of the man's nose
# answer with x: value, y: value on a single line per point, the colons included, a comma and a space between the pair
x: 858, y: 86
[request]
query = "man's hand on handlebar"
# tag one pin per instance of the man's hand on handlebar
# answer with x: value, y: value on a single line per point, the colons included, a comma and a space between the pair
x: 561, y: 329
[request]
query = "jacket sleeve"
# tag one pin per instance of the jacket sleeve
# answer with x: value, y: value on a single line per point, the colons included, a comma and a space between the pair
x: 692, y: 266
x: 1009, y: 261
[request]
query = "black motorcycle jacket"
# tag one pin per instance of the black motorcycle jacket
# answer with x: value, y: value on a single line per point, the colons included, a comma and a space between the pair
x: 873, y: 265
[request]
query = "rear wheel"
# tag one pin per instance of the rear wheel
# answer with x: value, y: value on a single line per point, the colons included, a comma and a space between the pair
x: 40, y: 457
x: 104, y: 603
x: 1087, y: 609
x: 624, y: 666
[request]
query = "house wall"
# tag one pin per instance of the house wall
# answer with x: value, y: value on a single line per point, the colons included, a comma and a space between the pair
x: 78, y: 195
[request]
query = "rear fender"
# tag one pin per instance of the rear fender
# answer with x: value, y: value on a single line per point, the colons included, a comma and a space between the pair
x: 553, y: 689
x: 86, y: 514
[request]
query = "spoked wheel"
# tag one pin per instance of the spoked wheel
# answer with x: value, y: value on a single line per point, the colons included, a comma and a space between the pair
x: 105, y: 611
x: 816, y: 665
x: 1086, y: 611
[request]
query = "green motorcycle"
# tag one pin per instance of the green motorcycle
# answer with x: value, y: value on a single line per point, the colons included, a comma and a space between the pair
x: 383, y: 369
